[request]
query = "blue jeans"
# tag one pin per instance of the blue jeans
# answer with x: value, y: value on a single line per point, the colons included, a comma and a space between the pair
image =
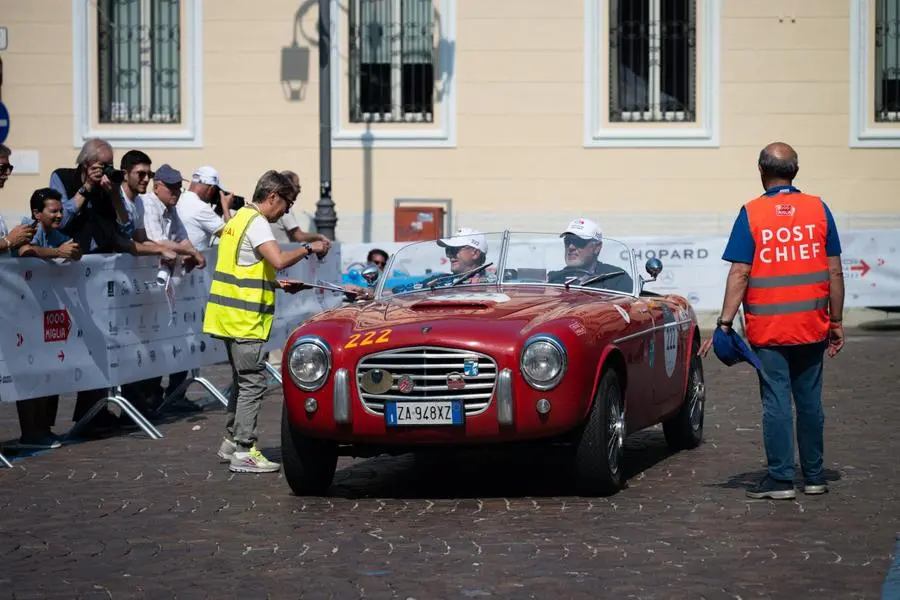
x: 797, y: 370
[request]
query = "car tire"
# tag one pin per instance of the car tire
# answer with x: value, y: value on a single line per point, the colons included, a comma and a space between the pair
x: 599, y: 450
x: 684, y: 431
x: 308, y: 463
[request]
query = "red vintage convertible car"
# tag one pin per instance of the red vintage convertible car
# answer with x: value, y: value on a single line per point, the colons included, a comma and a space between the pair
x: 523, y: 344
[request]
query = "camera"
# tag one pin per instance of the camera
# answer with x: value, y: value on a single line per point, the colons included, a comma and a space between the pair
x: 114, y: 175
x: 237, y: 202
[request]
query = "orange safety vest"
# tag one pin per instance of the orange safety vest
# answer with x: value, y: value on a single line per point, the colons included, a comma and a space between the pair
x: 788, y: 294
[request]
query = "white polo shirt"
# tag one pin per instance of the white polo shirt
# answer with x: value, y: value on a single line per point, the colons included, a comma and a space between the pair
x: 200, y: 220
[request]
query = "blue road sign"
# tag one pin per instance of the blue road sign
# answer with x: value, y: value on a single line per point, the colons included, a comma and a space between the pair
x: 4, y: 122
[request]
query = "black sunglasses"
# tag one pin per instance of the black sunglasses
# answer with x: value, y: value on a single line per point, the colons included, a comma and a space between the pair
x: 6, y: 168
x: 451, y: 252
x: 576, y: 241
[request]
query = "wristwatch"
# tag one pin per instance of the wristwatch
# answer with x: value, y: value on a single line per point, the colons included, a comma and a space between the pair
x: 721, y: 323
x: 82, y: 190
x: 308, y: 248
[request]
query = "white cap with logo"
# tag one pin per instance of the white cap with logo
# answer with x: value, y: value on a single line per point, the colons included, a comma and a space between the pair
x: 466, y: 236
x: 585, y: 229
x: 207, y: 175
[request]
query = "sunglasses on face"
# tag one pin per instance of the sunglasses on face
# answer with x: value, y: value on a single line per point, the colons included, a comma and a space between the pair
x: 144, y: 174
x: 6, y: 168
x: 451, y: 252
x: 576, y: 241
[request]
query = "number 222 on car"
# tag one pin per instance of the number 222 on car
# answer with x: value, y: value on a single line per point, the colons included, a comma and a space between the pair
x: 379, y: 336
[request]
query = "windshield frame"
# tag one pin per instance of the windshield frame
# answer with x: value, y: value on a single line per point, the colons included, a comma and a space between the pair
x: 636, y: 279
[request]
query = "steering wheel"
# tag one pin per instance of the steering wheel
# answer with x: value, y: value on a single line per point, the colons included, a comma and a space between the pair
x: 562, y: 275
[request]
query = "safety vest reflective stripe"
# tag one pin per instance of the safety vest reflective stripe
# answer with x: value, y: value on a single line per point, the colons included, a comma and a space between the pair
x: 787, y: 280
x: 262, y: 308
x: 244, y: 282
x: 785, y: 308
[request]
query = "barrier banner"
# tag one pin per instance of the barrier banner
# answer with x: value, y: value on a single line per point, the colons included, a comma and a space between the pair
x: 108, y: 320
x: 693, y: 265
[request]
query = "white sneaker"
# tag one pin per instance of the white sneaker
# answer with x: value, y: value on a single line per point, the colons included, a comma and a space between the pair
x: 252, y: 461
x: 226, y: 450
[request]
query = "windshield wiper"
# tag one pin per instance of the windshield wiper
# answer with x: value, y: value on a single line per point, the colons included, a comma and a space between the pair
x: 461, y: 277
x: 595, y: 278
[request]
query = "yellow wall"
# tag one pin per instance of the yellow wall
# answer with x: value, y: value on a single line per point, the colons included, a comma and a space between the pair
x: 520, y: 144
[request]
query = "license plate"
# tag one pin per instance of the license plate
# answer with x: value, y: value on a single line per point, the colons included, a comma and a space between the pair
x: 448, y: 412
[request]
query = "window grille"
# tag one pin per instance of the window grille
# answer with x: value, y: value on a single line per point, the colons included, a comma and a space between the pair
x: 391, y: 61
x: 139, y: 61
x: 652, y: 60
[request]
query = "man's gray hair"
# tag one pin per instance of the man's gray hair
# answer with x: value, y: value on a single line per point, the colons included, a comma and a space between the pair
x: 4, y: 151
x: 91, y: 150
x: 273, y: 182
x: 292, y: 176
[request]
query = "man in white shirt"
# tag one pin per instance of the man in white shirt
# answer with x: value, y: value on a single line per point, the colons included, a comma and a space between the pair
x: 163, y: 226
x: 200, y: 220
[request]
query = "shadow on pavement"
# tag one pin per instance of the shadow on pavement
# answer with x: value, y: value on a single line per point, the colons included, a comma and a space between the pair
x: 535, y: 472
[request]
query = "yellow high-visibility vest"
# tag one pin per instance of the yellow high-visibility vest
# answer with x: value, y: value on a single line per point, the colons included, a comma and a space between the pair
x: 241, y: 301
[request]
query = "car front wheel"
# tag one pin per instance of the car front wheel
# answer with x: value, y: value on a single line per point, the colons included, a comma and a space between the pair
x: 599, y: 451
x: 308, y: 463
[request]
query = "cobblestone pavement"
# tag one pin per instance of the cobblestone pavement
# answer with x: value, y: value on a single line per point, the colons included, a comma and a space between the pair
x: 128, y: 517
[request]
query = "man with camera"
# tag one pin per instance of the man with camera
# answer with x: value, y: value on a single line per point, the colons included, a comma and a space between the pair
x: 206, y: 206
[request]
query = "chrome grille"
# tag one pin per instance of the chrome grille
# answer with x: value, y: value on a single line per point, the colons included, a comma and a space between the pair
x: 428, y: 367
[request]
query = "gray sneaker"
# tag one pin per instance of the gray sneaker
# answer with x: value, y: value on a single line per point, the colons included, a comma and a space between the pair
x: 252, y: 461
x: 815, y: 487
x: 226, y: 450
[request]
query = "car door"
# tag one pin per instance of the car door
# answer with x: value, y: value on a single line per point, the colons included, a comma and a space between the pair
x: 670, y: 362
x: 638, y: 346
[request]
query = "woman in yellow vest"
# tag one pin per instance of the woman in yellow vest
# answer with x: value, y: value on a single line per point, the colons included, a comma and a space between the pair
x: 241, y: 308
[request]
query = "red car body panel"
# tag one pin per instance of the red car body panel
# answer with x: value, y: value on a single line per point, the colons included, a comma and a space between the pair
x: 596, y: 328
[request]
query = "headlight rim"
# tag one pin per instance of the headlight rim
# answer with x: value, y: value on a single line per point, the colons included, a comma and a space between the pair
x: 564, y: 361
x: 326, y: 349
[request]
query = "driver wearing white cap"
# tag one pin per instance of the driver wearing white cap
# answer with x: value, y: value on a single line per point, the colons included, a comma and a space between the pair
x: 583, y: 240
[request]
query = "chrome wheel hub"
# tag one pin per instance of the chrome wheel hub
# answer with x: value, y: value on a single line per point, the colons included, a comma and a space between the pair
x: 615, y: 437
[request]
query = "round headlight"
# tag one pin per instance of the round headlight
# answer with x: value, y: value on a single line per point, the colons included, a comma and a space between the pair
x: 309, y: 363
x: 543, y: 362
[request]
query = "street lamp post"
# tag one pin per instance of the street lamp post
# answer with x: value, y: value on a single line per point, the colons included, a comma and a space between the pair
x: 326, y: 216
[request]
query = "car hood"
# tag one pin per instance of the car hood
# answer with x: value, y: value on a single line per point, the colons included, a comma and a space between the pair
x: 516, y: 309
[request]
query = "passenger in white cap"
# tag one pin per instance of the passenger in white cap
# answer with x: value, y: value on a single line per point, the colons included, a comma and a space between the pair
x: 583, y: 241
x: 467, y: 249
x: 195, y: 207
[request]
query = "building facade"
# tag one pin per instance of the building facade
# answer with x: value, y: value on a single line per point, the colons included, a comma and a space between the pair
x: 647, y: 115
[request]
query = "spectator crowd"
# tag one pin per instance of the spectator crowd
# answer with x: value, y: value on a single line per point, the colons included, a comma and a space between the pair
x: 96, y: 208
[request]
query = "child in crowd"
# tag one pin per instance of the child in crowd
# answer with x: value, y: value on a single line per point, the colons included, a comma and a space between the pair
x: 38, y: 415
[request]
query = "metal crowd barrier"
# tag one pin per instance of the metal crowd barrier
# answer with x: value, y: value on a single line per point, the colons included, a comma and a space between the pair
x: 114, y: 396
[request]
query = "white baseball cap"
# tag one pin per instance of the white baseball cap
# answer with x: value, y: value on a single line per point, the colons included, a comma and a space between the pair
x: 207, y: 175
x: 585, y: 229
x: 466, y: 236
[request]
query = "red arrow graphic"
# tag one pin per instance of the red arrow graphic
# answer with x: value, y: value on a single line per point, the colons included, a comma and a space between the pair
x: 61, y: 356
x: 863, y: 266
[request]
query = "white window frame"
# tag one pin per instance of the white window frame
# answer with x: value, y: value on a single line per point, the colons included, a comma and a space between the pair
x: 864, y: 132
x: 84, y: 81
x: 599, y: 133
x: 392, y: 134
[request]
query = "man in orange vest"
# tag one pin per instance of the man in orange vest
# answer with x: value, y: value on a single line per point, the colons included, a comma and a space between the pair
x: 786, y: 269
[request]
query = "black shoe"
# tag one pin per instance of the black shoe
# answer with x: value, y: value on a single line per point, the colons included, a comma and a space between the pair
x: 815, y: 486
x: 772, y: 488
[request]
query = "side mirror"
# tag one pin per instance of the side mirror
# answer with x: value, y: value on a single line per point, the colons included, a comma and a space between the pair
x: 510, y: 273
x: 370, y: 274
x: 654, y: 267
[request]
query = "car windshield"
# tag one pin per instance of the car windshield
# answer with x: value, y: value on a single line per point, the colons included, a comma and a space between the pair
x: 460, y: 261
x: 525, y: 259
x: 548, y: 259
